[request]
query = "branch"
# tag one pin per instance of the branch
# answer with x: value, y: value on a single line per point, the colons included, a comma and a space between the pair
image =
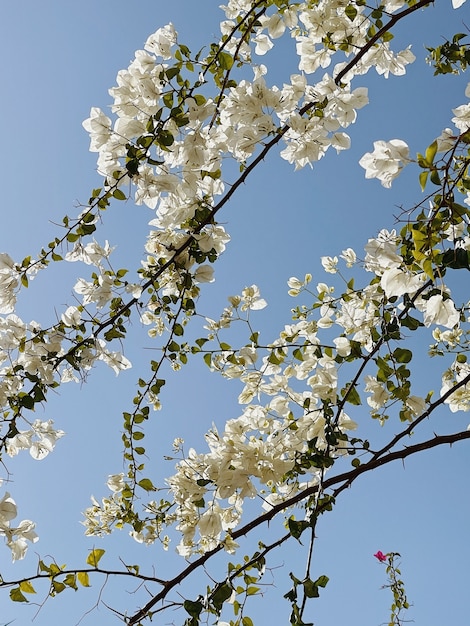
x: 393, y: 20
x: 346, y: 478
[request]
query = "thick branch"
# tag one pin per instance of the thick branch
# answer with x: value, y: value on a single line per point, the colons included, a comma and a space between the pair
x: 345, y: 479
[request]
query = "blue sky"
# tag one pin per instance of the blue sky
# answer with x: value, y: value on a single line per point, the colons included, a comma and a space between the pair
x: 59, y: 59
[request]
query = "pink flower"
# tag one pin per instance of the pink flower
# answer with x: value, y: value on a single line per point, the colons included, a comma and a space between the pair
x: 380, y: 556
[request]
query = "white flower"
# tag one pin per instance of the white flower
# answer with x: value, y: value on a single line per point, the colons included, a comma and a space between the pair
x: 462, y: 117
x: 8, y: 510
x: 161, y: 41
x: 349, y: 256
x: 204, y: 274
x: 397, y: 282
x: 343, y: 346
x: 329, y: 264
x: 115, y: 482
x: 252, y: 300
x: 439, y: 311
x: 98, y: 125
x: 386, y: 161
x: 72, y: 316
x: 263, y: 44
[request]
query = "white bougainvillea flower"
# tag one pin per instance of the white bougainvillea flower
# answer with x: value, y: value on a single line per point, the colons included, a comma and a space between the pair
x: 462, y: 117
x: 439, y: 311
x: 115, y: 482
x: 329, y: 264
x: 204, y: 274
x: 8, y: 510
x: 386, y: 161
x: 397, y: 282
x: 98, y: 126
x: 161, y: 41
x: 251, y: 299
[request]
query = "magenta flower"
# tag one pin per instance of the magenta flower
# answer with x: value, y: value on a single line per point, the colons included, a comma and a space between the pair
x: 380, y: 556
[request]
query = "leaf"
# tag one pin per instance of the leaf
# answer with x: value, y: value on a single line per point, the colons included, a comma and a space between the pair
x: 423, y: 179
x: 431, y: 153
x: 351, y: 12
x: 119, y: 195
x: 311, y: 589
x: 225, y: 60
x: 83, y: 579
x: 402, y: 355
x: 146, y: 484
x: 296, y: 527
x: 353, y: 396
x: 221, y: 594
x: 16, y: 595
x: 194, y: 608
x: 95, y: 556
x: 27, y: 587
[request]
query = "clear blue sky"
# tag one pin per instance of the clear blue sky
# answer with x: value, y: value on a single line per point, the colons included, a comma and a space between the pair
x: 59, y: 59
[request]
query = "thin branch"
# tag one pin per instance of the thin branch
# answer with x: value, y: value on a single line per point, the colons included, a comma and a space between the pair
x: 380, y: 33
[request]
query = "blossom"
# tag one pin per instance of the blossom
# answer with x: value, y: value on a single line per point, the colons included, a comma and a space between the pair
x: 251, y: 299
x: 380, y: 556
x: 115, y: 482
x: 397, y: 282
x: 98, y: 125
x: 386, y: 161
x: 161, y: 41
x: 329, y: 264
x: 439, y: 311
x: 462, y: 117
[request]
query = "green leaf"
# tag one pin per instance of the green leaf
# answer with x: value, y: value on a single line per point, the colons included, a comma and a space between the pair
x: 352, y: 396
x: 193, y: 608
x: 16, y: 595
x: 225, y: 60
x: 402, y: 355
x: 351, y: 12
x: 146, y: 484
x: 27, y: 587
x: 95, y: 556
x: 83, y: 579
x: 119, y: 195
x: 296, y: 527
x: 322, y: 581
x: 221, y: 594
x: 423, y: 179
x: 247, y: 621
x: 311, y: 589
x: 252, y: 591
x: 431, y: 152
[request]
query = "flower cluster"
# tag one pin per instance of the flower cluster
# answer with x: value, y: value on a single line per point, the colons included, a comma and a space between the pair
x: 17, y: 537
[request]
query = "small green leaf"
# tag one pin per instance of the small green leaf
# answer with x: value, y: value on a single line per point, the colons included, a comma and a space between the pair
x: 193, y: 608
x: 27, y: 587
x: 351, y: 12
x: 83, y: 579
x: 402, y: 355
x: 146, y: 484
x: 94, y: 557
x: 221, y: 594
x: 225, y: 60
x: 423, y: 179
x: 431, y: 152
x: 16, y: 595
